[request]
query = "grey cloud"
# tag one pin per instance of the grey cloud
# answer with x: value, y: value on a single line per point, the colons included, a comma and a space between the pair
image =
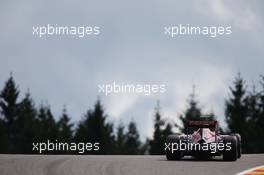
x: 131, y: 48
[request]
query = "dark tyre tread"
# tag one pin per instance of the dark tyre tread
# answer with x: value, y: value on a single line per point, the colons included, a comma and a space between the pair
x: 239, y: 146
x: 232, y: 154
x: 177, y: 154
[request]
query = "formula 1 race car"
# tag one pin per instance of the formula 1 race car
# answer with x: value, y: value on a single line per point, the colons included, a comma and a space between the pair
x: 203, y: 140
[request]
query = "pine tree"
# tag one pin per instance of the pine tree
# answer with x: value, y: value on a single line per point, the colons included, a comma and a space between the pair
x: 120, y: 139
x: 94, y: 128
x: 193, y: 112
x: 237, y: 109
x: 161, y: 130
x: 260, y: 119
x: 3, y: 136
x: 47, y: 125
x: 156, y: 144
x: 253, y: 112
x: 65, y: 132
x: 26, y: 125
x: 132, y: 144
x: 167, y: 131
x: 8, y: 108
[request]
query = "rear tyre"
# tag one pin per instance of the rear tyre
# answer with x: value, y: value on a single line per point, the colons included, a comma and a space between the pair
x: 239, y: 146
x: 230, y: 154
x: 177, y: 154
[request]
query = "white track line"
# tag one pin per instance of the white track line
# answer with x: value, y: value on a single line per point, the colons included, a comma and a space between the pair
x: 249, y: 170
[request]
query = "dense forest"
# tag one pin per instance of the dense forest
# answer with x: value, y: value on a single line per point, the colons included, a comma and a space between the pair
x: 22, y: 123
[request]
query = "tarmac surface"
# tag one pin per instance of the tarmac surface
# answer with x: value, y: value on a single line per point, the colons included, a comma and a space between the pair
x: 121, y: 165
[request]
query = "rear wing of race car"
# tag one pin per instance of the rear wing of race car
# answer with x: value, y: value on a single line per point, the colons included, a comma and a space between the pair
x: 213, y: 124
x: 202, y: 123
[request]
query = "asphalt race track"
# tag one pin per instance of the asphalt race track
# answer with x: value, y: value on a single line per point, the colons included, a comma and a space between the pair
x: 120, y: 165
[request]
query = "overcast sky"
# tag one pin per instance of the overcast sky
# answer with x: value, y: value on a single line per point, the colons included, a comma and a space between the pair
x: 131, y: 48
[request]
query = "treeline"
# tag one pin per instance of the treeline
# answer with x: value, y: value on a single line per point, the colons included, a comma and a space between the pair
x: 244, y: 112
x: 23, y: 123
